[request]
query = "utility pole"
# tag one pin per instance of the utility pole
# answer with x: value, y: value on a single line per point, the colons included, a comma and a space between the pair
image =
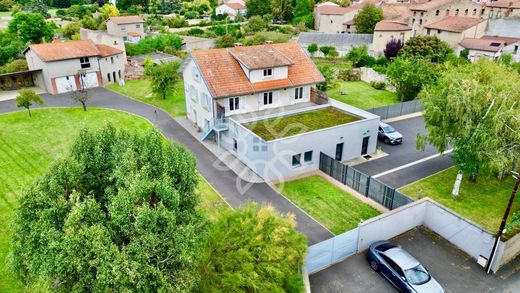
x: 503, y: 223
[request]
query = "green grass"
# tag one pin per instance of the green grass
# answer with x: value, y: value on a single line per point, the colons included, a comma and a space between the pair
x: 140, y: 90
x: 360, y: 94
x: 5, y: 13
x: 483, y: 202
x: 29, y: 145
x: 337, y: 63
x: 274, y: 128
x: 335, y: 208
x: 211, y: 203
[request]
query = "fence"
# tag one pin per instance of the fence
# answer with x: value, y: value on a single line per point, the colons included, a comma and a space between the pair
x: 395, y: 110
x: 331, y: 251
x: 364, y: 184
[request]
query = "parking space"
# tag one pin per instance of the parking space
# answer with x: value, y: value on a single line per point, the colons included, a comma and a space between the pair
x: 417, y: 164
x: 452, y: 268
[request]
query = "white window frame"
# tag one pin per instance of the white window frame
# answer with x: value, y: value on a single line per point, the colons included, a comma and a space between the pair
x: 84, y: 62
x: 298, y: 93
x: 234, y: 104
x: 268, y: 72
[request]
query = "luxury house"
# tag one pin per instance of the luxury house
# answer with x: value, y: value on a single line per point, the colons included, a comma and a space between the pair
x: 261, y: 104
x: 60, y: 67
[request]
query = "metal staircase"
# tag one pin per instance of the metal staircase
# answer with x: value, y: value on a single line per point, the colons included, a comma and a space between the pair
x: 216, y: 126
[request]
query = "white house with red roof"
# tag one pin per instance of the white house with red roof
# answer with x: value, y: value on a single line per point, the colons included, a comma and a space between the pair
x: 490, y: 47
x: 231, y: 91
x: 329, y: 17
x: 130, y: 28
x: 68, y: 66
x: 232, y: 9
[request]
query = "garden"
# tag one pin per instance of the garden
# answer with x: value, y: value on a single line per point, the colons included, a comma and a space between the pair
x: 361, y: 94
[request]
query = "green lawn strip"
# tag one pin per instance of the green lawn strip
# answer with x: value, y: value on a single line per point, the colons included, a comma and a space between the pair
x: 212, y: 205
x: 29, y: 145
x: 337, y: 63
x: 140, y: 89
x: 335, y: 208
x: 360, y: 94
x: 274, y: 128
x: 483, y: 202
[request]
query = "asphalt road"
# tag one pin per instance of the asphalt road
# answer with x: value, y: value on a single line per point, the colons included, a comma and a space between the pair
x: 406, y: 153
x: 234, y: 190
x: 452, y: 268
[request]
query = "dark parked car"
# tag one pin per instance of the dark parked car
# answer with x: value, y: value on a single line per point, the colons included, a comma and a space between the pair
x: 388, y: 134
x: 401, y: 269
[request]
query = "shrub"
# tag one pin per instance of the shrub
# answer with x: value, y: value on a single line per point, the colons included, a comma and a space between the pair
x: 349, y: 75
x: 195, y: 32
x: 152, y: 44
x: 177, y: 21
x: 191, y: 14
x: 60, y: 12
x: 378, y: 85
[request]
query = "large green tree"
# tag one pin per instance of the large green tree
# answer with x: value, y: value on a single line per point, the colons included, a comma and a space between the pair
x: 31, y: 27
x: 367, y: 18
x: 303, y: 13
x: 429, y: 47
x: 258, y: 7
x: 474, y: 109
x: 11, y: 47
x: 410, y: 75
x: 282, y: 9
x: 163, y: 77
x: 253, y: 250
x: 117, y: 214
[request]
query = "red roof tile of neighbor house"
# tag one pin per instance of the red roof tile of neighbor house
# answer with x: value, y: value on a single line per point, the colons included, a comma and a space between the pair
x: 133, y: 34
x: 126, y: 19
x: 257, y: 57
x: 455, y: 24
x: 386, y: 25
x: 56, y: 51
x: 236, y: 5
x: 430, y: 5
x: 334, y: 10
x: 506, y: 40
x: 504, y: 4
x: 225, y: 77
x: 481, y: 44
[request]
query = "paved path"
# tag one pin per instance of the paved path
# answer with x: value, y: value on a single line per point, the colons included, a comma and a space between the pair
x: 235, y: 191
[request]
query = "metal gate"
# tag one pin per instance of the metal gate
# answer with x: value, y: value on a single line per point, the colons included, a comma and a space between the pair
x: 331, y: 251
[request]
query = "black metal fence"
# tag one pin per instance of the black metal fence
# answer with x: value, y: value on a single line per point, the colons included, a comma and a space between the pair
x: 395, y: 110
x: 362, y: 183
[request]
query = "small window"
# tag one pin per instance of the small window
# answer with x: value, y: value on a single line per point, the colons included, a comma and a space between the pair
x: 447, y: 12
x: 298, y: 93
x: 235, y: 144
x: 123, y: 28
x: 456, y: 12
x: 137, y: 26
x: 482, y: 11
x: 108, y: 77
x: 268, y: 98
x: 437, y: 12
x: 119, y: 73
x: 475, y: 11
x: 439, y: 31
x: 516, y: 49
x: 466, y: 12
x: 296, y: 160
x: 115, y: 42
x: 84, y: 61
x: 307, y: 157
x: 268, y: 72
x: 420, y: 21
x: 234, y: 104
x: 112, y: 60
x: 428, y: 31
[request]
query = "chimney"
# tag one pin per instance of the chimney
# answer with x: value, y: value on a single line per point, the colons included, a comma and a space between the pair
x: 56, y: 40
x: 268, y: 42
x: 238, y: 44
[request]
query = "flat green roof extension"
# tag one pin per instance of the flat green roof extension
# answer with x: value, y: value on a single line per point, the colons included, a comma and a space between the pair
x: 285, y: 126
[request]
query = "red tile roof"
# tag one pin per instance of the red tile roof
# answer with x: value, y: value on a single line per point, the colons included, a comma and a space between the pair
x: 506, y: 40
x: 236, y: 5
x: 430, y: 5
x: 126, y: 19
x: 455, y: 24
x: 385, y: 25
x: 513, y: 4
x: 335, y: 10
x: 481, y: 44
x: 225, y: 77
x: 56, y: 51
x: 262, y: 56
x: 133, y: 34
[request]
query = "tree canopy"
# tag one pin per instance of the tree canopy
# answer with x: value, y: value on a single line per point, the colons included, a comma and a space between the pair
x: 367, y: 18
x: 253, y: 250
x: 410, y: 75
x: 31, y: 27
x: 429, y: 47
x: 116, y: 214
x: 258, y: 7
x: 163, y: 77
x: 474, y: 109
x: 26, y: 98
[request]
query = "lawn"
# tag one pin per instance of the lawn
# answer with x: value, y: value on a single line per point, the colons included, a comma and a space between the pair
x: 274, y: 128
x: 360, y: 94
x: 483, y: 202
x: 335, y: 208
x: 337, y: 63
x: 140, y: 90
x: 29, y: 145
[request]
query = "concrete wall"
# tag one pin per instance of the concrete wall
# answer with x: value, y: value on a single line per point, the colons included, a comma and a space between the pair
x: 195, y: 90
x: 111, y: 64
x: 511, y: 250
x: 369, y: 74
x: 513, y: 50
x: 331, y: 23
x: 495, y: 12
x: 381, y: 38
x: 278, y: 73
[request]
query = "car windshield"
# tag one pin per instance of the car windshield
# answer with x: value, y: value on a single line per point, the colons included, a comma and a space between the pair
x: 417, y: 275
x: 388, y: 129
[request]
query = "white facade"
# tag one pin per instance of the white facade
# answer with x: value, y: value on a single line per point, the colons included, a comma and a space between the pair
x: 230, y: 11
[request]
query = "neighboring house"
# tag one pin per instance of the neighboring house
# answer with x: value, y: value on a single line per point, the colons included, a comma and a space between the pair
x: 503, y: 8
x: 342, y: 42
x: 331, y: 18
x: 232, y: 9
x: 228, y: 90
x: 491, y: 47
x: 452, y: 29
x: 66, y: 66
x: 103, y: 38
x: 130, y: 28
x: 385, y: 31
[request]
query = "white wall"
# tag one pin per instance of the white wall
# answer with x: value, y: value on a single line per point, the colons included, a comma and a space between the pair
x: 195, y: 89
x: 278, y: 73
x: 101, y: 37
x: 117, y: 66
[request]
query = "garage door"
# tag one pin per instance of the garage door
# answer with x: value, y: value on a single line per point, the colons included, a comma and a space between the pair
x: 65, y: 84
x: 90, y: 80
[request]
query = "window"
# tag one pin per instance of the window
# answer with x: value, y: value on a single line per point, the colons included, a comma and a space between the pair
x: 115, y: 42
x: 85, y: 63
x: 298, y: 93
x: 439, y: 31
x: 428, y: 31
x: 475, y: 11
x: 194, y: 94
x: 482, y: 11
x: 137, y: 26
x: 119, y: 73
x: 466, y: 12
x: 307, y: 157
x: 108, y: 76
x: 235, y: 144
x: 447, y: 12
x: 390, y: 262
x: 268, y: 72
x: 204, y: 100
x: 268, y: 98
x: 296, y: 160
x: 456, y: 12
x: 123, y: 28
x: 234, y: 104
x: 125, y: 38
x: 112, y: 60
x: 516, y: 49
x: 437, y: 12
x: 420, y: 21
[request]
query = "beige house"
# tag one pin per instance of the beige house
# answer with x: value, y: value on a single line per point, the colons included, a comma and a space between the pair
x: 103, y: 38
x: 130, y: 28
x: 385, y: 31
x: 491, y: 47
x: 68, y: 66
x: 452, y: 29
x: 332, y: 18
x: 503, y: 8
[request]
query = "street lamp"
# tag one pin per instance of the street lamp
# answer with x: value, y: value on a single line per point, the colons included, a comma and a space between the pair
x: 503, y: 223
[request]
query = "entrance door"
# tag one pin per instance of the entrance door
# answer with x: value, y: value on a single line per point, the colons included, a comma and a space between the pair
x: 339, y: 151
x: 364, y: 146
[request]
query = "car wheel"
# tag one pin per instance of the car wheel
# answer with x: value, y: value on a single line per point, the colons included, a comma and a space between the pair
x: 387, y: 141
x: 374, y: 265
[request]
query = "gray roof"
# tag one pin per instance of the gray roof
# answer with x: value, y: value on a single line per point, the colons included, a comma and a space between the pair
x: 336, y: 40
x: 507, y: 27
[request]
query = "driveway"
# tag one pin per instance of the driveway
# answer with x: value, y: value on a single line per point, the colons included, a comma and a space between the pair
x: 421, y: 163
x: 234, y: 190
x: 454, y: 269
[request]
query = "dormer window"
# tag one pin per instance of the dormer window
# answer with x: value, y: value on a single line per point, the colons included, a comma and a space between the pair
x: 268, y: 72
